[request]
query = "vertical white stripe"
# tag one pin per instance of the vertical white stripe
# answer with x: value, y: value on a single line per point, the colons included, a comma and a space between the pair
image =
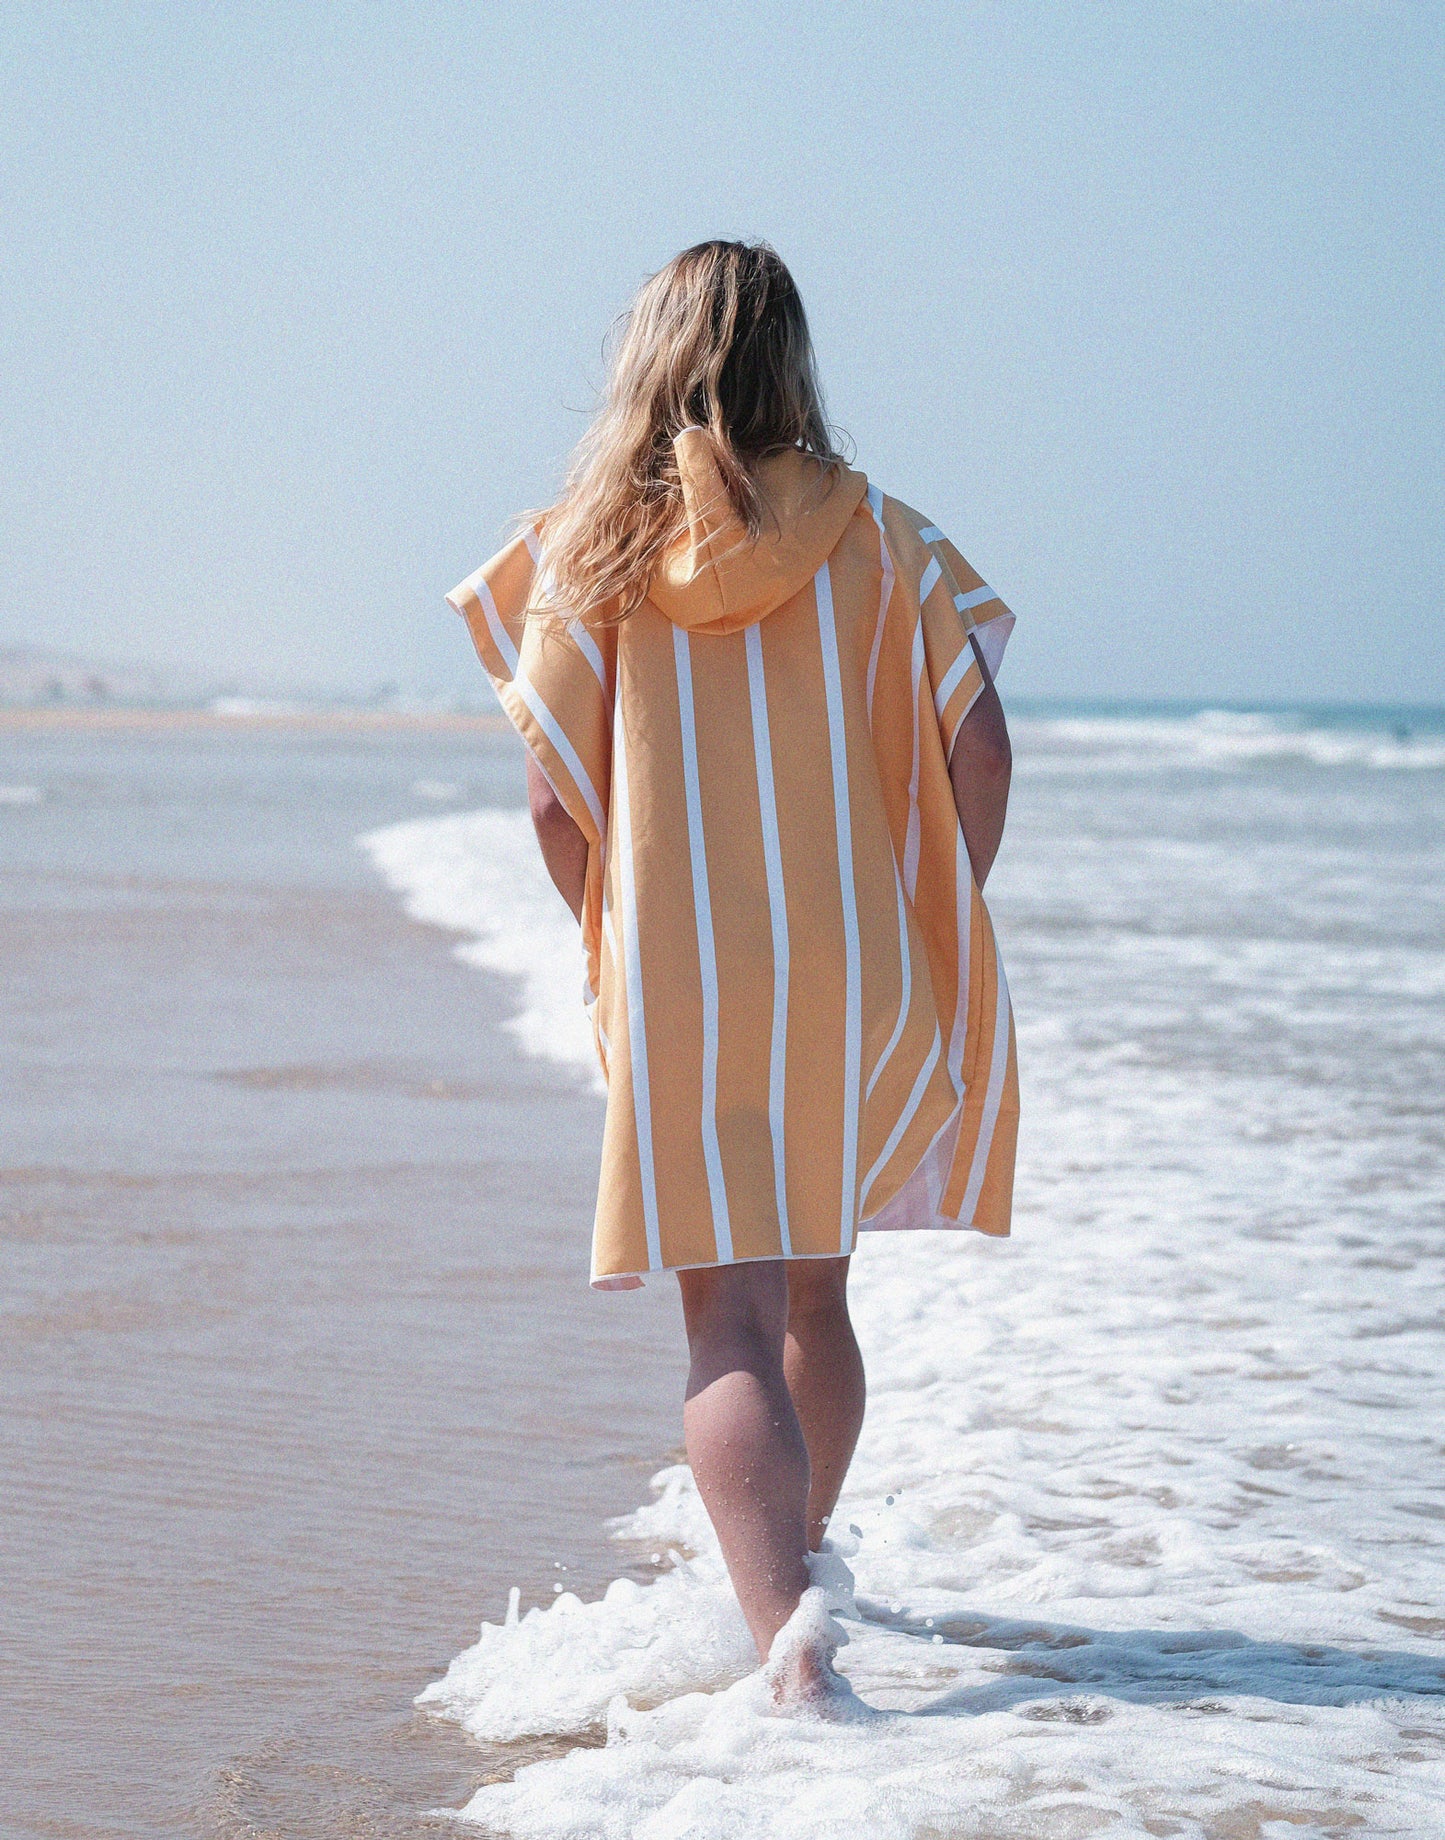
x: 609, y: 935
x: 905, y: 1117
x: 950, y: 738
x: 932, y: 575
x: 952, y: 678
x: 778, y: 912
x: 933, y: 1167
x: 875, y: 502
x: 993, y: 1095
x: 587, y: 645
x: 636, y: 1018
x: 963, y: 903
x: 569, y: 756
x: 885, y: 593
x: 905, y: 958
x: 545, y: 580
x: 911, y: 842
x: 501, y: 638
x: 706, y: 950
x: 852, y: 955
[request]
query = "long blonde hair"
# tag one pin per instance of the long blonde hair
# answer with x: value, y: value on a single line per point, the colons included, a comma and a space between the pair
x: 717, y: 340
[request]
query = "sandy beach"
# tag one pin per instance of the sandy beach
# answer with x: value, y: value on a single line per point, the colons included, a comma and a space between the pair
x: 301, y: 1371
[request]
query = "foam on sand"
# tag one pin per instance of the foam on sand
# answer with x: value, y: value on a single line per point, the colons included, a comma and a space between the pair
x: 1147, y: 1522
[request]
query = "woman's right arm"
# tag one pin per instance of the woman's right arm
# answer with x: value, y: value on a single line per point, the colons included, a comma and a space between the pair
x: 564, y: 848
x: 980, y: 767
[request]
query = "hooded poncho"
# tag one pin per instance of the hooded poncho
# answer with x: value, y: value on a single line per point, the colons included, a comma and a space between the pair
x: 796, y: 996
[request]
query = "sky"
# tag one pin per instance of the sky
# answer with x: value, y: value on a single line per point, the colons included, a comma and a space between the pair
x: 1142, y: 303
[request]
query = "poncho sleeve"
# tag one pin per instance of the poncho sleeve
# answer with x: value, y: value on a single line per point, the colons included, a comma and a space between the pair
x: 553, y: 677
x: 965, y: 629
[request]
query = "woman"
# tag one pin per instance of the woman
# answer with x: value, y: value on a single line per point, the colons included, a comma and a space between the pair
x: 768, y: 771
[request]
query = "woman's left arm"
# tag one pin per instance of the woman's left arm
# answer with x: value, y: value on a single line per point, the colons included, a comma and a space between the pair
x: 980, y: 767
x: 564, y: 848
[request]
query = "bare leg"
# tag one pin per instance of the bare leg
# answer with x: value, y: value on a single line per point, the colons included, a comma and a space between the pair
x: 825, y: 1377
x: 743, y: 1438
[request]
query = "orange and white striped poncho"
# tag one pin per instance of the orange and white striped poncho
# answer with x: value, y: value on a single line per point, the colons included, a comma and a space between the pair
x: 795, y: 991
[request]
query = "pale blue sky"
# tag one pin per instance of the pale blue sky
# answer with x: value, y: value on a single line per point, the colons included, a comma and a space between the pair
x: 1142, y: 302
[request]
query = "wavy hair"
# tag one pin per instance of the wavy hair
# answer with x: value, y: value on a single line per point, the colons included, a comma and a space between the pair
x: 716, y: 340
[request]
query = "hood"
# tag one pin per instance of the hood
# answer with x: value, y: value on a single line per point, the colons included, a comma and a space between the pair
x: 715, y: 579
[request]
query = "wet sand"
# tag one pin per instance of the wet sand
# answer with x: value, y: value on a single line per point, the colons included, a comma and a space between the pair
x: 301, y: 1371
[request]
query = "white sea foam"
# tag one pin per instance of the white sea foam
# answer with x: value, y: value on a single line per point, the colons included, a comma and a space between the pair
x: 1147, y: 1521
x: 479, y: 873
x: 243, y: 708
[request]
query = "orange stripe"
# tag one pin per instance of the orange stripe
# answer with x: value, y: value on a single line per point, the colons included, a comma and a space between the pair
x: 792, y: 659
x: 667, y: 936
x: 742, y: 930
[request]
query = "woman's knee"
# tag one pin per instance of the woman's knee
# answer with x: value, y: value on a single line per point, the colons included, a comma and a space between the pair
x: 743, y: 1304
x: 817, y: 1290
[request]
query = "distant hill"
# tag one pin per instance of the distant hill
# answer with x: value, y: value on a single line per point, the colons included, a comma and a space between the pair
x: 30, y: 675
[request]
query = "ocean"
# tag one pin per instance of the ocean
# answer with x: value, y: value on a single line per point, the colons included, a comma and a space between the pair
x: 303, y: 1376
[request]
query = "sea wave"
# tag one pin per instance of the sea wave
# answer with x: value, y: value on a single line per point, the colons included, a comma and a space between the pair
x: 1145, y: 1521
x: 1215, y: 740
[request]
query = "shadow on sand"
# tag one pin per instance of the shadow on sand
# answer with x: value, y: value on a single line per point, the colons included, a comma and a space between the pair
x: 1159, y: 1666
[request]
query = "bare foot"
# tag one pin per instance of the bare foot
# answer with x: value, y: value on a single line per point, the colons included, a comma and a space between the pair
x: 799, y: 1669
x: 806, y: 1681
